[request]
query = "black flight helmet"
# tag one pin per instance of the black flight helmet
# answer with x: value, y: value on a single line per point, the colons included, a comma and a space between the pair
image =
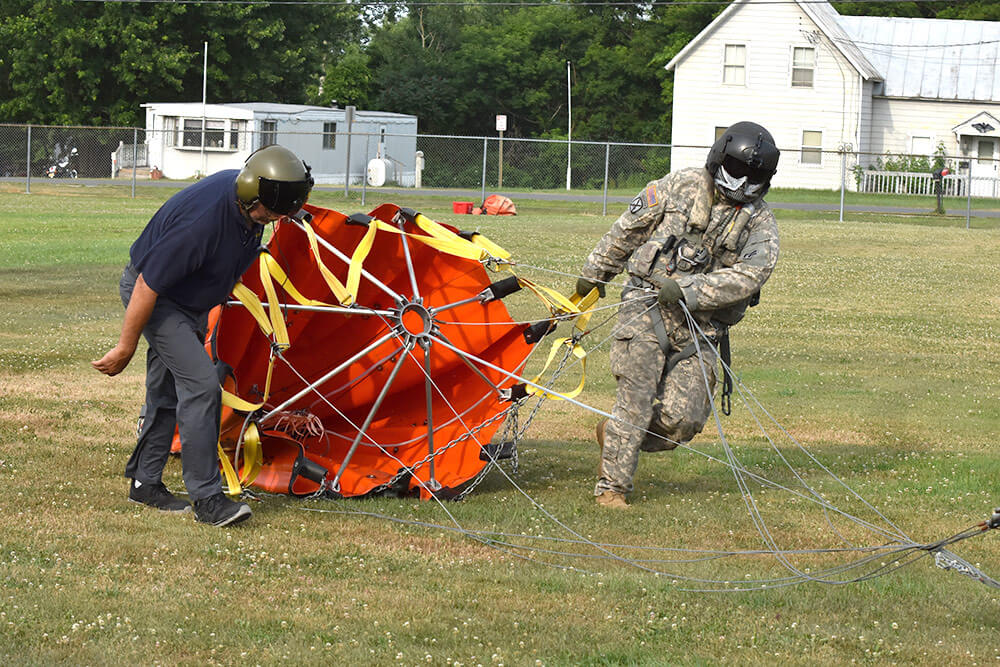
x: 275, y: 177
x: 742, y: 162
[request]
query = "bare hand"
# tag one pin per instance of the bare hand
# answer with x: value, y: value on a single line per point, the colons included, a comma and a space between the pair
x: 115, y: 361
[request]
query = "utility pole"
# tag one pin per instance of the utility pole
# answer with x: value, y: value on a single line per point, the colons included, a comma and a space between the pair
x: 569, y: 125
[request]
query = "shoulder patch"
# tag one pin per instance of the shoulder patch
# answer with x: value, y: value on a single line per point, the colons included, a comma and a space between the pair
x: 637, y: 204
x: 651, y: 195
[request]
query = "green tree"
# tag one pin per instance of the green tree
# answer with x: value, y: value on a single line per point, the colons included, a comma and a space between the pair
x: 95, y: 63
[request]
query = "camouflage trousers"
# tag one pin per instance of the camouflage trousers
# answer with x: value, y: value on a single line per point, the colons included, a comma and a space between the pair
x: 655, y: 408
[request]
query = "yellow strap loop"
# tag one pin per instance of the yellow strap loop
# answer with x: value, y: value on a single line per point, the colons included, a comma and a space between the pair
x: 233, y: 486
x: 269, y: 268
x: 553, y: 300
x: 489, y: 246
x: 253, y: 456
x: 253, y: 305
x: 339, y: 291
x: 586, y: 305
x: 357, y: 260
x: 579, y: 353
x: 456, y: 246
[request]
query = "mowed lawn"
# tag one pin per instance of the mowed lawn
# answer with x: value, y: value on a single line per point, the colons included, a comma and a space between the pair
x: 876, y: 348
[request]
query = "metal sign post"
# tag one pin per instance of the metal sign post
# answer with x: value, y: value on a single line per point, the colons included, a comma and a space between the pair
x: 349, y: 119
x: 501, y: 126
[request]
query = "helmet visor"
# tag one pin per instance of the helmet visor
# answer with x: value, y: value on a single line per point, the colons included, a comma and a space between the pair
x: 739, y: 169
x: 284, y: 197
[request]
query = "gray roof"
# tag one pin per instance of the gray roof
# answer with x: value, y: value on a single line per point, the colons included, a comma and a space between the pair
x: 828, y: 20
x: 930, y: 58
x: 307, y: 111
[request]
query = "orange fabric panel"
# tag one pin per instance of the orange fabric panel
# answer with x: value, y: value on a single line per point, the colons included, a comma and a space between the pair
x: 322, y: 341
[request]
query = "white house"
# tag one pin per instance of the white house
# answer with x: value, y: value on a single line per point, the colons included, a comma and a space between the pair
x: 179, y: 148
x: 821, y: 82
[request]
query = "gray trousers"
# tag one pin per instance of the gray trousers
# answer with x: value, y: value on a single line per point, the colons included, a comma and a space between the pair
x: 182, y: 392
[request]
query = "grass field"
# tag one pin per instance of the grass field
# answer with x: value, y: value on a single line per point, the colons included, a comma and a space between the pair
x: 875, y: 347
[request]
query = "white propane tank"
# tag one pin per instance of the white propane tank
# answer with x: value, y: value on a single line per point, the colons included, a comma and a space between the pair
x: 376, y: 172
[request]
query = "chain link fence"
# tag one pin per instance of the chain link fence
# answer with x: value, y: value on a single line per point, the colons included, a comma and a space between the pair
x: 132, y: 157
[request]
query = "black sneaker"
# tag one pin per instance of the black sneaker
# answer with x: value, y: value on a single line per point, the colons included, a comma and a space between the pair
x: 220, y: 511
x: 156, y: 495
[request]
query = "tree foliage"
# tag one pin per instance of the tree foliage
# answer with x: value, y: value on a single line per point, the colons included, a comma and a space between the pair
x: 95, y: 63
x: 454, y: 66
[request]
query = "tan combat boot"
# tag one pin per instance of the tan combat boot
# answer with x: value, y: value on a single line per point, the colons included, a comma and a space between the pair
x: 612, y: 499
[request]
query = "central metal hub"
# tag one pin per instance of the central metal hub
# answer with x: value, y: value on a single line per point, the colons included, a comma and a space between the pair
x: 416, y: 320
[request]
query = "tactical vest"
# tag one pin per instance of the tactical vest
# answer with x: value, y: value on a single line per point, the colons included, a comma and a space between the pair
x: 704, y: 245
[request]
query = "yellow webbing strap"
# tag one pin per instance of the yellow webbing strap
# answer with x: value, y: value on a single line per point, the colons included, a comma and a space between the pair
x: 489, y: 246
x: 579, y: 353
x: 339, y: 291
x: 253, y: 305
x: 555, y: 301
x: 270, y: 271
x: 586, y: 306
x: 253, y: 461
x: 253, y: 455
x: 456, y: 246
x: 439, y: 231
x: 233, y: 486
x: 357, y: 259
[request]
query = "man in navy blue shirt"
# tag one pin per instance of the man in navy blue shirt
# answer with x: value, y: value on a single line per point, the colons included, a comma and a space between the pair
x: 186, y: 261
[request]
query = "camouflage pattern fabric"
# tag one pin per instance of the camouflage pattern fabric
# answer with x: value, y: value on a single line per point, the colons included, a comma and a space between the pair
x: 733, y: 250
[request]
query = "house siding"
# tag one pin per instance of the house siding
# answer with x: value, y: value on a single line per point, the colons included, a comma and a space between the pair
x: 832, y: 106
x: 297, y: 127
x: 896, y: 121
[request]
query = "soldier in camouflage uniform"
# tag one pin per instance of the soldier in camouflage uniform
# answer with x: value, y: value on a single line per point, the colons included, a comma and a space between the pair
x: 703, y: 236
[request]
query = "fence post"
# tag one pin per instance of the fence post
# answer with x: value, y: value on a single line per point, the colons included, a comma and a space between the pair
x: 135, y: 156
x: 483, y: 183
x: 968, y: 196
x: 349, y: 117
x: 364, y: 177
x: 27, y: 165
x: 607, y: 155
x: 843, y: 175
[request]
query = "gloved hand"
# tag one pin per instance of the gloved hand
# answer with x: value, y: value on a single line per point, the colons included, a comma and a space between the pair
x: 583, y: 287
x: 670, y: 293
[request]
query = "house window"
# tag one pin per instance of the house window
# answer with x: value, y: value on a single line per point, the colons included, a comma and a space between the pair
x: 812, y: 143
x: 237, y: 132
x: 170, y: 130
x: 192, y: 133
x: 329, y: 135
x: 803, y: 66
x: 268, y: 132
x: 734, y: 65
x: 920, y: 146
x: 215, y: 133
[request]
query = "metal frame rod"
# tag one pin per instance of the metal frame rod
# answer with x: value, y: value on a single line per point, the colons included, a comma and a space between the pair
x: 335, y: 371
x: 409, y: 261
x: 347, y: 260
x: 425, y: 345
x: 456, y: 304
x: 515, y: 376
x: 335, y: 483
x: 471, y: 365
x: 322, y: 309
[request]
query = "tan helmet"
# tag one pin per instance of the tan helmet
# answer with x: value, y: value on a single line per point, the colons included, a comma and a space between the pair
x: 275, y: 177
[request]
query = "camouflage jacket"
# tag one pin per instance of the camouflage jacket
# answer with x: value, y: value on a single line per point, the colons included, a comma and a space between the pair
x: 678, y: 227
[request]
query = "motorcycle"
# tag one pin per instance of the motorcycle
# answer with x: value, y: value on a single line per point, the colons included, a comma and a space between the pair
x: 64, y: 167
